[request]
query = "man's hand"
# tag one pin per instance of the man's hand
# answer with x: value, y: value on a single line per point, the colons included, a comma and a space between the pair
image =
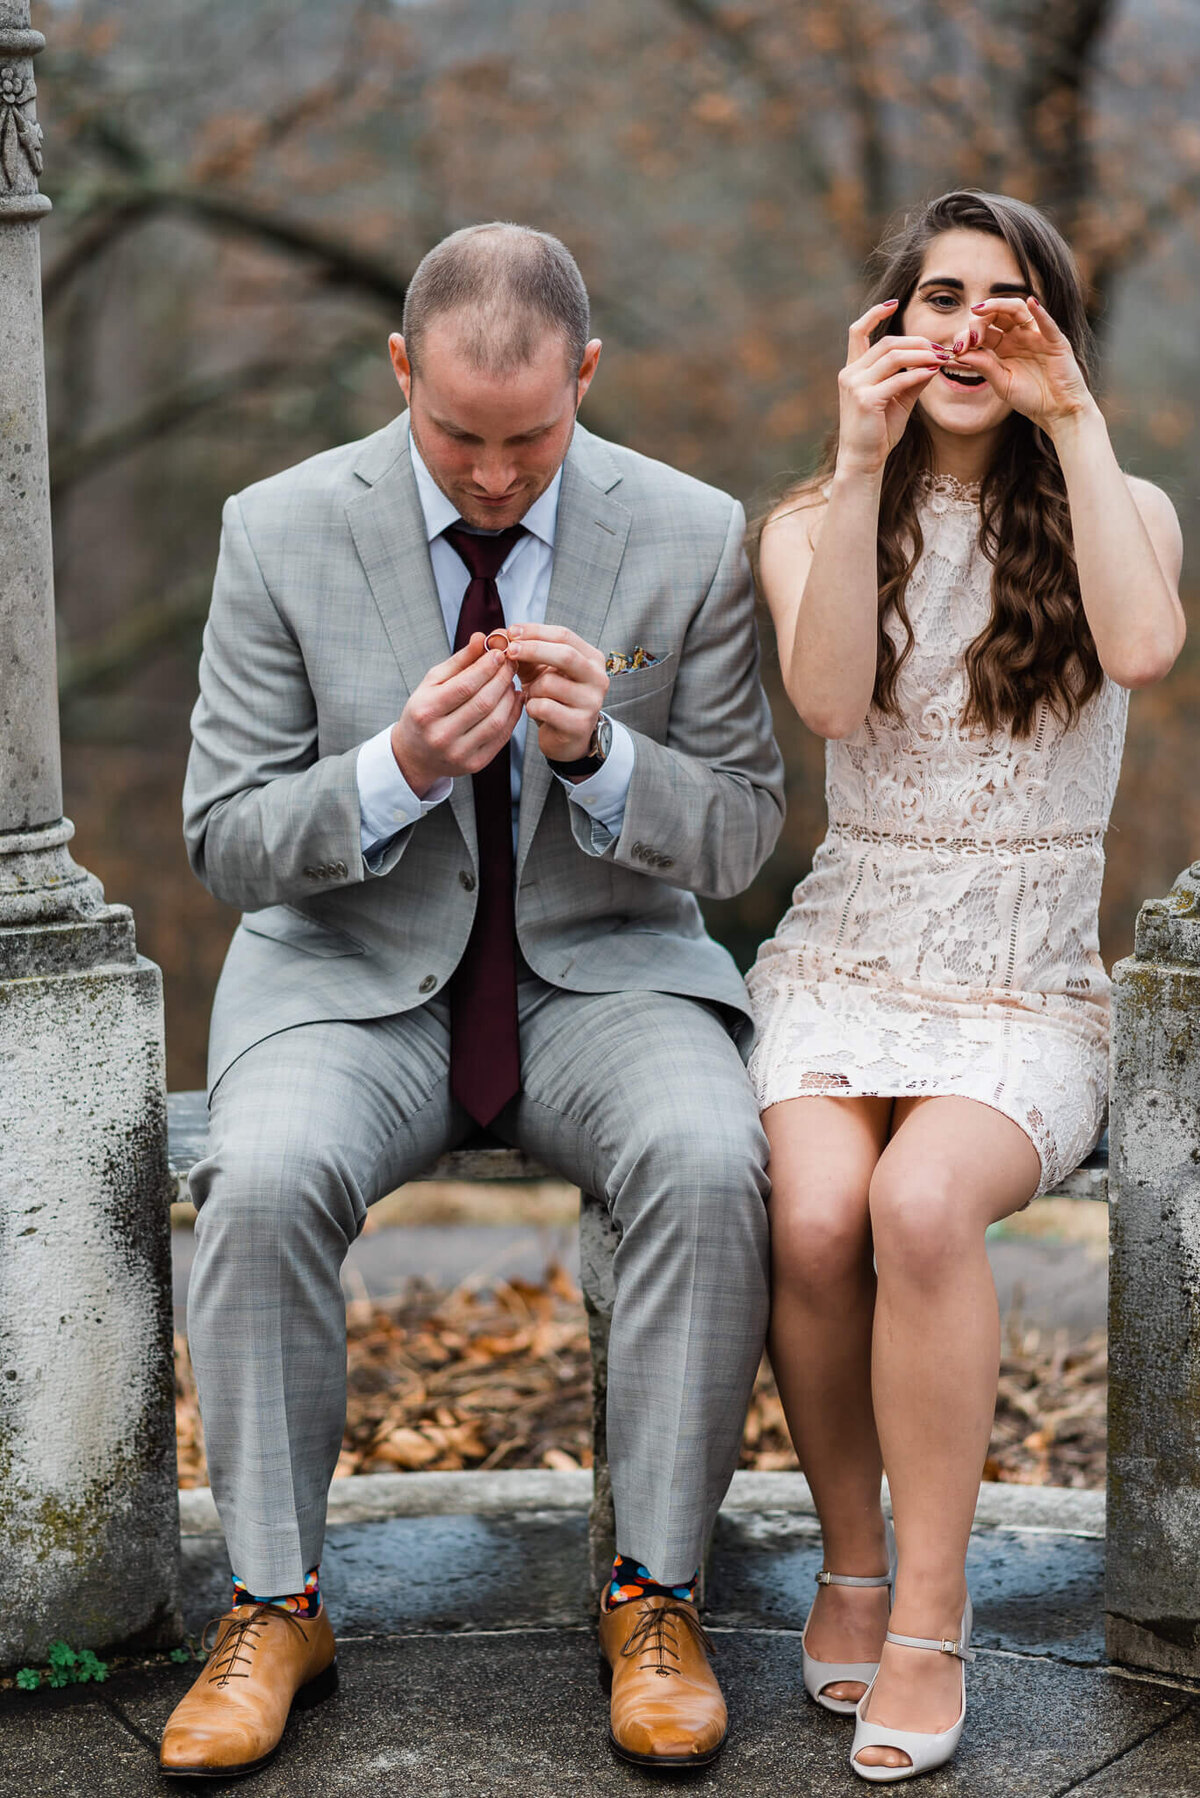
x: 460, y: 716
x: 563, y: 686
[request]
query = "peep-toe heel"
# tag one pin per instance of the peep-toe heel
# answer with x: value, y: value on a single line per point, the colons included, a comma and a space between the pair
x: 925, y: 1752
x: 820, y: 1674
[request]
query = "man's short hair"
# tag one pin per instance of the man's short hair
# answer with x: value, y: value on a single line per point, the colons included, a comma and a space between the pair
x: 509, y: 283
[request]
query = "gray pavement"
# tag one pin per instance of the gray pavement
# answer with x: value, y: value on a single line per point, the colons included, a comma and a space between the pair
x: 1050, y: 1284
x: 468, y: 1669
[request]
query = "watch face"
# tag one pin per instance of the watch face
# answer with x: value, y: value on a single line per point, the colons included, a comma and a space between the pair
x: 603, y: 737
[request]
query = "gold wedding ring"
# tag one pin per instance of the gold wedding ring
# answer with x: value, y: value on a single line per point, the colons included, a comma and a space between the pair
x: 497, y: 640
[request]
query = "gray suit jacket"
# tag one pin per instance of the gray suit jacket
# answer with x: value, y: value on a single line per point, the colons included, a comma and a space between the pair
x: 324, y: 618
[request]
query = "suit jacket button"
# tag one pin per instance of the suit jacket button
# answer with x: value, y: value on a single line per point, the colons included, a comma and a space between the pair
x: 341, y: 870
x: 428, y: 984
x: 666, y: 861
x: 310, y: 874
x: 466, y: 881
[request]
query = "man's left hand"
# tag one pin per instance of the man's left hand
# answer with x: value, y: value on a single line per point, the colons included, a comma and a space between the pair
x: 563, y: 686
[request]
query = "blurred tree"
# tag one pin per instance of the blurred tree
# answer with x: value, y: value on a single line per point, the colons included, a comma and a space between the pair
x: 242, y: 188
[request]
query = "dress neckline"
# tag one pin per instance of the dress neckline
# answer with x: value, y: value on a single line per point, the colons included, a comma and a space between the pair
x: 950, y: 487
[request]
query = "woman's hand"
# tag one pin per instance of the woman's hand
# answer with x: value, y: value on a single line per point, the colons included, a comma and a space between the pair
x: 879, y: 387
x: 1026, y: 360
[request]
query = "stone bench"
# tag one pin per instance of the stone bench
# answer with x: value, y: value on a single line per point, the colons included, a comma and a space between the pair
x: 187, y: 1124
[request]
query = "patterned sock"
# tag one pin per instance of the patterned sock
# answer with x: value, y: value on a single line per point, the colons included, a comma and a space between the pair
x: 630, y: 1580
x: 300, y: 1604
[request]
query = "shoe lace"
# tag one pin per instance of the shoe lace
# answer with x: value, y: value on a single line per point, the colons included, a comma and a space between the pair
x: 650, y: 1633
x: 239, y: 1641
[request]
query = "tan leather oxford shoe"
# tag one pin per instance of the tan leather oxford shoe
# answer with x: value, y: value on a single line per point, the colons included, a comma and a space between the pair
x: 263, y: 1662
x: 667, y: 1708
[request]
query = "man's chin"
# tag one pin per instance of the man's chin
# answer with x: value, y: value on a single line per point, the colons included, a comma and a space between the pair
x: 492, y: 518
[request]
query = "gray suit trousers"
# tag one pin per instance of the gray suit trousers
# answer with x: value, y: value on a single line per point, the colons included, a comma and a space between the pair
x: 640, y: 1098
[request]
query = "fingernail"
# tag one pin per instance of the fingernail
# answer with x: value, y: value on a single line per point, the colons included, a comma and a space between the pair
x: 940, y: 350
x: 958, y: 345
x: 890, y: 302
x: 498, y: 656
x: 979, y: 306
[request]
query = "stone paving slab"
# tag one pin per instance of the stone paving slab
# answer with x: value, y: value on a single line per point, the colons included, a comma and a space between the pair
x: 1164, y: 1765
x: 520, y: 1712
x: 468, y: 1667
x: 1033, y: 1592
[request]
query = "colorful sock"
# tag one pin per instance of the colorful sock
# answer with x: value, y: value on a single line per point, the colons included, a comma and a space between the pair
x: 630, y: 1580
x: 300, y: 1604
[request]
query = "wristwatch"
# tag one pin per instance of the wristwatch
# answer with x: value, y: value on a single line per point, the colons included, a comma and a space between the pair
x: 597, y: 752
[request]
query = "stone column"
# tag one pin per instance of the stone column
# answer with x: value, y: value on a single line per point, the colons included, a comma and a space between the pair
x: 1153, y: 1583
x: 89, y: 1541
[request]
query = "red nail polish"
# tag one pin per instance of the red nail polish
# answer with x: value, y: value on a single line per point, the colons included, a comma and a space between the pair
x: 979, y: 306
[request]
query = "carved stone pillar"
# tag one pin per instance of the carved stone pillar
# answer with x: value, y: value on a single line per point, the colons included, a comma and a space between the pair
x: 1153, y: 1583
x: 88, y: 1510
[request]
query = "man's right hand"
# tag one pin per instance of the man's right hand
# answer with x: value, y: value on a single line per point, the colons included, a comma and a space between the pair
x: 460, y: 716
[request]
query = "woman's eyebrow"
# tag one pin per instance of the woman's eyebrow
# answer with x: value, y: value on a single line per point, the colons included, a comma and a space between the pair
x: 998, y: 287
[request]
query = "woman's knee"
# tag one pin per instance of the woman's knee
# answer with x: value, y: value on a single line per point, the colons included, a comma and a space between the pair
x: 819, y: 1244
x: 921, y: 1223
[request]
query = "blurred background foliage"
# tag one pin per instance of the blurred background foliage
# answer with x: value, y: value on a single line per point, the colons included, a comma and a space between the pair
x: 242, y: 189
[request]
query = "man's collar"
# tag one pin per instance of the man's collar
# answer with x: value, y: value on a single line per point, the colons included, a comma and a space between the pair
x: 541, y: 520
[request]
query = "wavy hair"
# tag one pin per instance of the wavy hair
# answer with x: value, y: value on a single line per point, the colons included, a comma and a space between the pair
x: 1037, y: 646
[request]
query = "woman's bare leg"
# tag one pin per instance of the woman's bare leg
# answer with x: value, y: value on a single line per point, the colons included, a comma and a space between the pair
x: 952, y: 1167
x: 823, y: 1154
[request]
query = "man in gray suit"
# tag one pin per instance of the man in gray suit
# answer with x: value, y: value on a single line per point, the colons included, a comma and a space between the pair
x: 479, y: 715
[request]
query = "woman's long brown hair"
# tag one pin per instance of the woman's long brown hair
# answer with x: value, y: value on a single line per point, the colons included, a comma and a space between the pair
x: 1037, y: 646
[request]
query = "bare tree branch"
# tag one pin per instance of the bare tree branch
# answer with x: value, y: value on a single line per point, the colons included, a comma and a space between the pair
x: 1062, y: 39
x: 739, y: 48
x: 74, y: 462
x: 148, y: 629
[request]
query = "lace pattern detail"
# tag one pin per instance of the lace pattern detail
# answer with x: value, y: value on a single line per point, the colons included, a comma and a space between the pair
x: 946, y: 940
x: 950, y: 487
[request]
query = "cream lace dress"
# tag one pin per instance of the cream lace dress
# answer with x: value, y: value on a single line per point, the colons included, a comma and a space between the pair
x: 946, y: 939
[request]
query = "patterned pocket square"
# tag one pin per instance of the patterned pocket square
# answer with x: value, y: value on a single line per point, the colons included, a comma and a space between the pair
x: 618, y: 661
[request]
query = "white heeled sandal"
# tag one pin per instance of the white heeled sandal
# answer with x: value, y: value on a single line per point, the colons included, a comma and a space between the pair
x: 820, y: 1674
x: 925, y: 1752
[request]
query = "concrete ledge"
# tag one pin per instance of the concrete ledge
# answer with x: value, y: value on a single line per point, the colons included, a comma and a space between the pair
x: 372, y: 1497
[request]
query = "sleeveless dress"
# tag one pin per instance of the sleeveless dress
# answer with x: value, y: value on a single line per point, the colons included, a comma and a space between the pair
x: 946, y: 940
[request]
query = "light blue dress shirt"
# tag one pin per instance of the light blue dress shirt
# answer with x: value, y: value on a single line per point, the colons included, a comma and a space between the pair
x: 386, y: 801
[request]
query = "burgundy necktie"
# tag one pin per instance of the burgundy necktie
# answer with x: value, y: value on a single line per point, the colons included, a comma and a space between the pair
x: 485, y: 1050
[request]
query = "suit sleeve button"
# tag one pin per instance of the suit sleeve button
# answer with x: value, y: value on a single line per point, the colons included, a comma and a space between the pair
x: 341, y: 870
x: 310, y: 874
x: 466, y: 880
x: 428, y: 984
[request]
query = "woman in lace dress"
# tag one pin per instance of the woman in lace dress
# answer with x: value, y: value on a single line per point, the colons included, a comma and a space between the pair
x: 962, y: 602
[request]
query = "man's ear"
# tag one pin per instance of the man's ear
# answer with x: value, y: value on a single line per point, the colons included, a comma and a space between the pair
x: 587, y: 369
x: 401, y: 363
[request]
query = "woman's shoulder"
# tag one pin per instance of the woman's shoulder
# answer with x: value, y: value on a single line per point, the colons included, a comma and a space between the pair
x: 1149, y: 497
x: 801, y: 506
x: 1160, y: 518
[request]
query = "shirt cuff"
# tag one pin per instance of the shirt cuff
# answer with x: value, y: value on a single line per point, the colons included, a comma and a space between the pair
x: 603, y: 794
x: 386, y: 802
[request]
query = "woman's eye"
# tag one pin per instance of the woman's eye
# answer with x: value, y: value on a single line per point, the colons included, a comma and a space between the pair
x: 944, y: 302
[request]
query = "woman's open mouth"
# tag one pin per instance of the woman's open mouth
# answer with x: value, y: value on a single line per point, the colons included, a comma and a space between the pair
x: 962, y: 377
